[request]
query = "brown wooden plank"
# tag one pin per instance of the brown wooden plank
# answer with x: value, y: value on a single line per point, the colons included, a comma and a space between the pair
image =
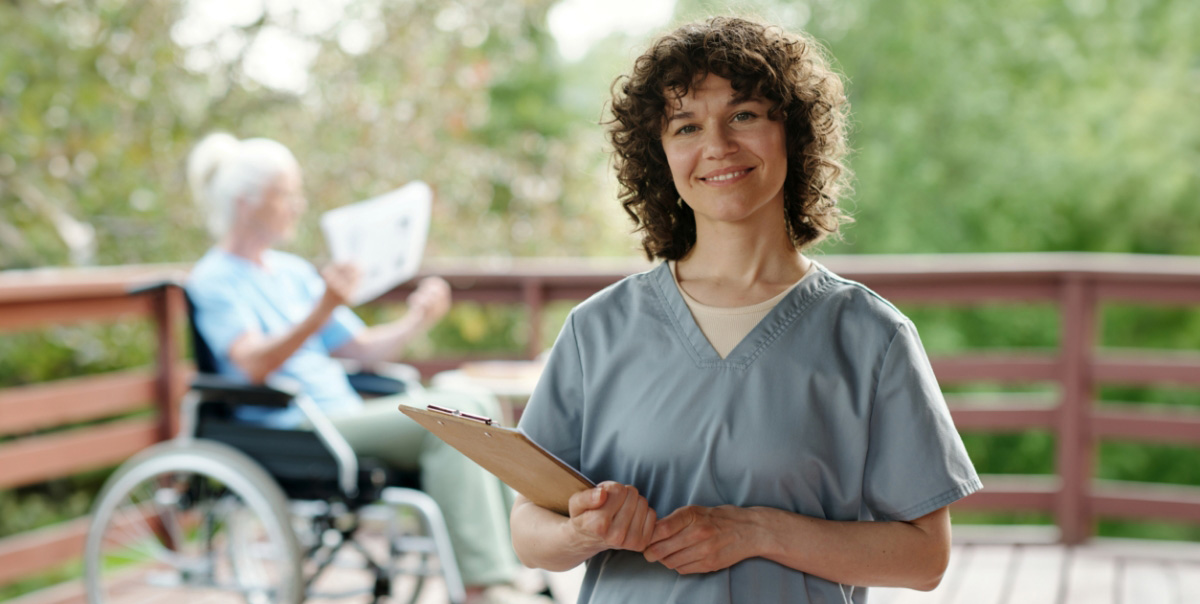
x: 1074, y: 448
x: 41, y: 550
x: 66, y: 401
x: 1148, y: 368
x: 964, y: 292
x: 70, y: 592
x: 1119, y: 289
x: 1145, y: 500
x: 1009, y: 367
x: 1013, y: 492
x: 1001, y: 418
x: 1153, y: 423
x: 82, y: 282
x: 41, y: 458
x: 37, y: 314
x: 46, y: 548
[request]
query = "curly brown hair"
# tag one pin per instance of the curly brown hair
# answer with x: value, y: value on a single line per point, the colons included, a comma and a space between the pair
x: 788, y: 69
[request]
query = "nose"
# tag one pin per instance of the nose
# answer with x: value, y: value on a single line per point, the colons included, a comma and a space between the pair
x: 719, y: 143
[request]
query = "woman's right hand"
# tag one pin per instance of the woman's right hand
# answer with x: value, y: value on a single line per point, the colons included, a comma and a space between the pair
x: 612, y: 516
x: 340, y: 282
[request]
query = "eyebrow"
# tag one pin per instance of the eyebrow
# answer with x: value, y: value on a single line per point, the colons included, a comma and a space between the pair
x: 685, y: 115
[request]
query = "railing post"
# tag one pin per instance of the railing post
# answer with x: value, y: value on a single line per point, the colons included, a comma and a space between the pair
x: 534, y: 290
x: 168, y: 311
x: 1076, y: 444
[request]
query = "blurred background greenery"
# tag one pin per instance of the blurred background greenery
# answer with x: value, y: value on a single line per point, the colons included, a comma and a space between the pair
x: 990, y: 126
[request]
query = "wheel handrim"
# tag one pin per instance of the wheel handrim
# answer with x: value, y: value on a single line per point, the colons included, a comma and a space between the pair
x: 189, y: 529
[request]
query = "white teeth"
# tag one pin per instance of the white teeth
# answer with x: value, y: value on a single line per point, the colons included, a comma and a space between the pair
x: 729, y: 176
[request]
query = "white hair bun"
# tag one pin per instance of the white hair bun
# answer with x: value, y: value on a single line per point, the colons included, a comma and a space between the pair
x: 222, y: 170
x: 204, y: 160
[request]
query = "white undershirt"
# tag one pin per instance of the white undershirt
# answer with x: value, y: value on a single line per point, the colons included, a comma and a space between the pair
x: 726, y: 327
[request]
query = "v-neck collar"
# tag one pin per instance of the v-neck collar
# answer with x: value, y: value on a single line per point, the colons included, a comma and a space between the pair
x: 773, y: 325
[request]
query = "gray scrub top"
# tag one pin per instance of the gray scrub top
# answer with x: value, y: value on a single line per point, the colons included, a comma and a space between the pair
x: 828, y: 408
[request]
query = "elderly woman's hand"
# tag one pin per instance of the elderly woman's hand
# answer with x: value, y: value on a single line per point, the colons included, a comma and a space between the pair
x: 696, y: 539
x: 431, y: 300
x: 340, y: 282
x: 613, y: 516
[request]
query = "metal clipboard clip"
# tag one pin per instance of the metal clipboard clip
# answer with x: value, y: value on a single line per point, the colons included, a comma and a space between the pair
x: 487, y: 421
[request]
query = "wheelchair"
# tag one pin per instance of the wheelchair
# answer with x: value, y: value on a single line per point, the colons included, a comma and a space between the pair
x: 233, y: 512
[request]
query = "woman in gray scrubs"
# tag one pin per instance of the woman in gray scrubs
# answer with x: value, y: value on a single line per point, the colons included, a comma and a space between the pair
x: 767, y: 431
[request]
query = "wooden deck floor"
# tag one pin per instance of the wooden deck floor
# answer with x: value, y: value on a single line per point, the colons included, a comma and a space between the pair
x: 1105, y: 571
x: 982, y: 570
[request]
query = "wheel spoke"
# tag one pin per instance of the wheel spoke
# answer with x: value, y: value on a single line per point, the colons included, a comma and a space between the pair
x: 192, y: 524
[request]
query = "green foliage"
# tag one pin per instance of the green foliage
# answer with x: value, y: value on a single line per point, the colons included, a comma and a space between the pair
x: 63, y: 352
x: 98, y: 109
x: 1024, y: 125
x: 1017, y: 125
x: 1023, y: 453
x: 946, y: 330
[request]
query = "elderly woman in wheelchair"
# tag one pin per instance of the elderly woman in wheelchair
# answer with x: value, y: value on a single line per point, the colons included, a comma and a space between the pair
x: 280, y: 460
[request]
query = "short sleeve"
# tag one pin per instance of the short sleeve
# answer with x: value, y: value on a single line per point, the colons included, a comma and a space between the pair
x: 342, y: 326
x: 220, y: 317
x: 552, y: 418
x: 916, y: 462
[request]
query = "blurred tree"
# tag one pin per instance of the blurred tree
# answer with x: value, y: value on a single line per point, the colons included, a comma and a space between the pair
x: 1023, y: 125
x: 100, y: 103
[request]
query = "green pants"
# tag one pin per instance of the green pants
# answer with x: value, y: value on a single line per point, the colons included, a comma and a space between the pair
x: 475, y: 503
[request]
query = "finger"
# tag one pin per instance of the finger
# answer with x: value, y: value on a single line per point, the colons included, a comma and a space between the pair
x: 619, y: 528
x: 663, y: 549
x: 648, y: 525
x: 634, y: 540
x: 684, y: 554
x: 701, y: 566
x: 583, y: 501
x: 637, y: 538
x: 668, y: 526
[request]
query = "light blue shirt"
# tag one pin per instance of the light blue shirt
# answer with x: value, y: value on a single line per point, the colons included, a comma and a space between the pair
x: 233, y: 296
x: 828, y: 408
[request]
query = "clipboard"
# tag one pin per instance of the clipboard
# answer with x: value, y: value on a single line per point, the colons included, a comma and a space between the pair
x: 508, y: 454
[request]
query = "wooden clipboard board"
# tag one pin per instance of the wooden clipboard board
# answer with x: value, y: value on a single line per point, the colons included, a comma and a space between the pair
x: 521, y: 463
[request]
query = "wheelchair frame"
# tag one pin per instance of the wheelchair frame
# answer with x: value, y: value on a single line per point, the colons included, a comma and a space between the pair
x: 172, y: 477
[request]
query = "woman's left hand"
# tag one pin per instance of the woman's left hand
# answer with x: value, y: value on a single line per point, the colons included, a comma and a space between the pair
x: 697, y: 539
x: 431, y: 300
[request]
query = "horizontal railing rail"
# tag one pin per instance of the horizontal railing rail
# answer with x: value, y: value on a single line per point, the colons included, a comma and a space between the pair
x: 1075, y: 284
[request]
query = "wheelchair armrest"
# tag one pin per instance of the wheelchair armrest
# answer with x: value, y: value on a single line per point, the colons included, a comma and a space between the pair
x: 375, y: 384
x: 382, y: 378
x: 218, y: 388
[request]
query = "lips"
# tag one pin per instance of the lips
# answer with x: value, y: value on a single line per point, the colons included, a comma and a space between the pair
x: 725, y: 175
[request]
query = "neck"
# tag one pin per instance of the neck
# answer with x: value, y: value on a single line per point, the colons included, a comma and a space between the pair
x: 742, y: 257
x: 245, y: 246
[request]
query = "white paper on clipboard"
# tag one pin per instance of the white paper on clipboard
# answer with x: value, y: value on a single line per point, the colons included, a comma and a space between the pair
x: 384, y: 236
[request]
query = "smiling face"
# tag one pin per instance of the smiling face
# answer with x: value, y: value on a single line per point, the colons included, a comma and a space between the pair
x: 727, y: 157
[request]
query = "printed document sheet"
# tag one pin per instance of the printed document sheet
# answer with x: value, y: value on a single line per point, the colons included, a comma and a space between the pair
x: 384, y: 236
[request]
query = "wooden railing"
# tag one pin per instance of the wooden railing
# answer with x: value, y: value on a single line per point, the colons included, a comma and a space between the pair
x: 1077, y: 284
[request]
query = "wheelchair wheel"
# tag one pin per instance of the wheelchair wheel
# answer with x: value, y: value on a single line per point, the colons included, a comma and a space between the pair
x: 190, y: 522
